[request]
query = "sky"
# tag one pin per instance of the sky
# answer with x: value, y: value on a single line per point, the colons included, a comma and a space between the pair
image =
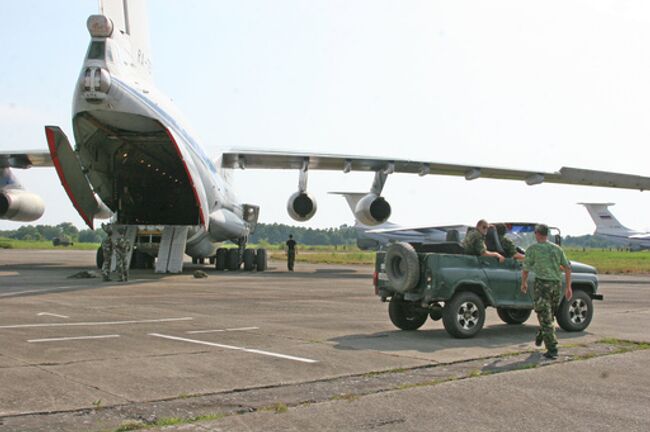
x: 506, y: 83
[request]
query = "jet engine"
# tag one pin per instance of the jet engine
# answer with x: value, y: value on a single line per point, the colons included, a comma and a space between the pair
x: 372, y: 210
x: 19, y: 205
x: 301, y: 206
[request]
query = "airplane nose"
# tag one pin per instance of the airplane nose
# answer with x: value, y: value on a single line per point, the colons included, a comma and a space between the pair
x: 96, y: 83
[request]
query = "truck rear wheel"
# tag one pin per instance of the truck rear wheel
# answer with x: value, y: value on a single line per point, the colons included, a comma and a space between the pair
x: 513, y: 316
x: 575, y: 315
x: 464, y: 315
x: 406, y: 315
x: 402, y: 266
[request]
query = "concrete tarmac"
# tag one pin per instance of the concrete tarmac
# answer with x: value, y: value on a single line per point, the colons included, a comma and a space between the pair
x: 76, y: 354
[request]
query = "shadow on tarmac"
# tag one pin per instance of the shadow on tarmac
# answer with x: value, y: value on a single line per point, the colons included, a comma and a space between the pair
x: 432, y: 340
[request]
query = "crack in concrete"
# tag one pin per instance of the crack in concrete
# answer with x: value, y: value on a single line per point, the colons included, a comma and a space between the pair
x: 348, y: 387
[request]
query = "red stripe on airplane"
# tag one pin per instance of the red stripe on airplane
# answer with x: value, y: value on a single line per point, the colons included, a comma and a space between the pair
x: 51, y: 143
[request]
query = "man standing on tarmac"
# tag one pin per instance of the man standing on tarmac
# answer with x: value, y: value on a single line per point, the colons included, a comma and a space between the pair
x: 107, y: 252
x: 121, y: 252
x: 291, y: 252
x: 547, y: 261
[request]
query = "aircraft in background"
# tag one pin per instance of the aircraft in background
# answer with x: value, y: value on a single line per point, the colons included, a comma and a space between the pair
x: 607, y: 226
x: 138, y: 163
x: 375, y: 237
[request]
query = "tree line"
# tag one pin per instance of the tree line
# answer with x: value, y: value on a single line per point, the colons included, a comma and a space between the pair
x: 270, y: 233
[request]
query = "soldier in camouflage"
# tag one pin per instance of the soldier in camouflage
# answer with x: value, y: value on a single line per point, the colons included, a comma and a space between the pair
x: 547, y: 261
x: 107, y: 252
x: 121, y: 252
x: 474, y: 243
x: 509, y: 248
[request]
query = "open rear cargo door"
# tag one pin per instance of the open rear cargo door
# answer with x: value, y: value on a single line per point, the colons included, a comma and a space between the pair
x: 72, y: 178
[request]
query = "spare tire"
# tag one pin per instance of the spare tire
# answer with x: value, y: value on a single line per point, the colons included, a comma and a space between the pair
x: 402, y: 266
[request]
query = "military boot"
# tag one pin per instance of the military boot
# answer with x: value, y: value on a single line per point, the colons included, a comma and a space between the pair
x: 539, y: 338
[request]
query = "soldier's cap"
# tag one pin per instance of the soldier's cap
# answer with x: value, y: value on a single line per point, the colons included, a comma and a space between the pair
x: 542, y: 229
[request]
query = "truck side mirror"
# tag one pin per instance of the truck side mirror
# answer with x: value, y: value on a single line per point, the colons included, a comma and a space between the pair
x: 558, y: 240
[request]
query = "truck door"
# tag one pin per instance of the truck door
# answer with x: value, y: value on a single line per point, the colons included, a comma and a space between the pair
x: 504, y: 279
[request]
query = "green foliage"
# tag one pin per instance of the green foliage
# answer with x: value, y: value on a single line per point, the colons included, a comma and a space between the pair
x: 279, y: 233
x: 612, y: 261
x: 64, y: 230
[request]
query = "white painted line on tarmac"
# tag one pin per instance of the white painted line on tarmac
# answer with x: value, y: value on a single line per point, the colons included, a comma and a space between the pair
x: 52, y: 314
x: 43, y: 291
x: 222, y: 330
x: 236, y: 348
x: 95, y: 323
x: 72, y: 338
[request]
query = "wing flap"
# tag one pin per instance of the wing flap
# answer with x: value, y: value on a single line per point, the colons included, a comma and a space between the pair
x: 288, y: 160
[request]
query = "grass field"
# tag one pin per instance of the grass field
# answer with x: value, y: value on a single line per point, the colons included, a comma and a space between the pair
x: 6, y: 243
x: 606, y: 261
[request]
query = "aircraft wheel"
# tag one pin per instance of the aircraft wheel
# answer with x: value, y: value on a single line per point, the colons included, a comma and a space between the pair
x: 249, y: 259
x: 99, y: 258
x: 233, y: 261
x: 261, y: 260
x: 220, y: 259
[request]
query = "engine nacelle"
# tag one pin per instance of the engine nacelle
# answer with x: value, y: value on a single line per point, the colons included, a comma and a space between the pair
x: 19, y: 205
x: 301, y: 206
x: 372, y: 210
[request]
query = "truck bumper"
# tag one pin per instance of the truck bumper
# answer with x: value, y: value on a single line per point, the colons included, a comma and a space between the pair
x: 596, y: 296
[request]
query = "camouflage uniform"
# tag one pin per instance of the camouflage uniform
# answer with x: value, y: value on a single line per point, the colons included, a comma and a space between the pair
x: 509, y: 248
x: 107, y: 252
x: 545, y: 259
x: 474, y: 243
x: 121, y: 251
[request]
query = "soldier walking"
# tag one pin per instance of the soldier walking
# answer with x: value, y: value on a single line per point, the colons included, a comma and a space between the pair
x: 547, y: 261
x: 291, y: 252
x: 121, y: 252
x: 107, y: 252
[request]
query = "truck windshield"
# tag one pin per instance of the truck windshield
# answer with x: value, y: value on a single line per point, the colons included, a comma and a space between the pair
x: 525, y: 238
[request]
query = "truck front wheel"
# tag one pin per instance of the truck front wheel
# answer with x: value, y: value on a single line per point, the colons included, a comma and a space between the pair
x: 575, y: 315
x: 464, y: 315
x: 406, y: 315
x: 513, y: 316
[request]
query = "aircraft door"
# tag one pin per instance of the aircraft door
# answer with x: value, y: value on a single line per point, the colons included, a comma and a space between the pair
x: 70, y: 173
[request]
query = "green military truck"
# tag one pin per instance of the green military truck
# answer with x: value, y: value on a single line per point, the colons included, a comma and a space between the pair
x: 441, y: 282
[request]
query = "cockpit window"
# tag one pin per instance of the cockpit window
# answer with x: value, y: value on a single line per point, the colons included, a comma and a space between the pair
x: 96, y: 50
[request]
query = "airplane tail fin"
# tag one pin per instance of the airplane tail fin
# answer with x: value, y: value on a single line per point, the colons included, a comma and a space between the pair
x: 604, y: 219
x: 352, y: 199
x: 130, y: 30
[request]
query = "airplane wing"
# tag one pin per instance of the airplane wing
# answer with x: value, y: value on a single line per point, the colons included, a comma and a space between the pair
x: 38, y: 158
x: 289, y: 160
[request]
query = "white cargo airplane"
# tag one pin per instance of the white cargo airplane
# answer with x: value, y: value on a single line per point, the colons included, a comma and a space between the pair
x: 607, y: 226
x: 136, y: 161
